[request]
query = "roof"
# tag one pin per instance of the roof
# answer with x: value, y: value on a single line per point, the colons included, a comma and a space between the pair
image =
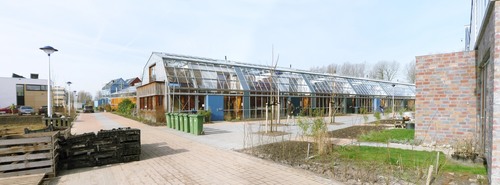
x: 204, y: 73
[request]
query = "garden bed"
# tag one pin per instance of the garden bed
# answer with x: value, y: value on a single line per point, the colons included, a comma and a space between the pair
x: 360, y: 164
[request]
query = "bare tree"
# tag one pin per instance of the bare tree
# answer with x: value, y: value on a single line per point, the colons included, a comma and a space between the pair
x: 354, y: 70
x: 330, y: 68
x: 85, y: 97
x: 384, y: 70
x: 98, y: 95
x: 410, y: 72
x: 346, y: 69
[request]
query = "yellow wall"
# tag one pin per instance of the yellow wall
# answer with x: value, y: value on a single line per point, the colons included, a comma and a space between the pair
x: 35, y: 99
x: 118, y: 100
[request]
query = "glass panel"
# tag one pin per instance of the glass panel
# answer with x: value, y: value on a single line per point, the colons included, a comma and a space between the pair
x: 20, y: 90
x: 398, y: 89
x: 192, y: 74
x: 328, y: 84
x: 365, y: 87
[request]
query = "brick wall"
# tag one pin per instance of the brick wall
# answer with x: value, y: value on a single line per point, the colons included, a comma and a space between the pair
x: 487, y: 61
x: 445, y: 108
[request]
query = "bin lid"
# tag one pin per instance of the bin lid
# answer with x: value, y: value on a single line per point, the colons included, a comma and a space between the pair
x: 195, y: 115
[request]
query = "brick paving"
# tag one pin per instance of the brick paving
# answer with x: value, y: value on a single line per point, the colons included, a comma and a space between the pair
x: 172, y: 159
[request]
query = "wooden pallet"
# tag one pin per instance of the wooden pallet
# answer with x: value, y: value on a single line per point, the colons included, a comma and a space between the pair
x: 28, y: 154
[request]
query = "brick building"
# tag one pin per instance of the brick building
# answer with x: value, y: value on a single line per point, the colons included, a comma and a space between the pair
x: 457, y: 94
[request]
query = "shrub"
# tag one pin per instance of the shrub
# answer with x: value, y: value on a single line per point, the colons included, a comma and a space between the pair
x: 206, y: 114
x: 107, y: 108
x: 126, y: 107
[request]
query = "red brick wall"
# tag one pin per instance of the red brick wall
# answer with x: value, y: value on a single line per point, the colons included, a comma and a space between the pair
x: 445, y: 107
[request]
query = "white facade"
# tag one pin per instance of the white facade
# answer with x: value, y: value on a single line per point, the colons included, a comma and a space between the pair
x: 8, y: 88
x: 59, y: 98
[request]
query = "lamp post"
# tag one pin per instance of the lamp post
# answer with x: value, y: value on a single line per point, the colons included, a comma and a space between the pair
x: 69, y: 98
x: 49, y: 50
x: 74, y: 103
x: 393, y: 90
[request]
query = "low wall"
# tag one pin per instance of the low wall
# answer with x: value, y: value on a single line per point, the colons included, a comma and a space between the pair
x: 13, y: 119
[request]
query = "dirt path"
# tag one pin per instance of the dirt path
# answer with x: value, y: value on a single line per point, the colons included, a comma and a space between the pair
x: 171, y: 159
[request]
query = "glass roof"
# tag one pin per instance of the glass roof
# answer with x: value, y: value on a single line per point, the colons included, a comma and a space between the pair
x: 201, y: 73
x: 328, y: 84
x: 365, y: 87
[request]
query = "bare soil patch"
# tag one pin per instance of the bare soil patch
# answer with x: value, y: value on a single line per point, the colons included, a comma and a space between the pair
x: 273, y: 133
x: 355, y: 131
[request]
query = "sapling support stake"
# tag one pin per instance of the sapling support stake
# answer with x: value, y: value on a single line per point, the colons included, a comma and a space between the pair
x: 429, y: 175
x: 437, y: 162
x: 308, y: 148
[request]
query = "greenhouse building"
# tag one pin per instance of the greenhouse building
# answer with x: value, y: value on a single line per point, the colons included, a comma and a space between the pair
x: 233, y: 90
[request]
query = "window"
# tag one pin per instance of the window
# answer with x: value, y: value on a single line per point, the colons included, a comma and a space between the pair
x: 152, y: 74
x: 36, y: 87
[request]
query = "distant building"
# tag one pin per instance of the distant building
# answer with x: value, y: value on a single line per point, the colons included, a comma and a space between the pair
x: 60, y: 96
x: 114, y: 86
x: 133, y: 81
x: 22, y: 91
x: 115, y: 91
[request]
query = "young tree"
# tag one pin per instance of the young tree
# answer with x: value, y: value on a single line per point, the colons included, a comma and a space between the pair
x: 410, y: 72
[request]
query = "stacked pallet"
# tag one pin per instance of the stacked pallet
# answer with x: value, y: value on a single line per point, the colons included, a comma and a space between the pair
x: 107, y: 147
x: 29, y: 154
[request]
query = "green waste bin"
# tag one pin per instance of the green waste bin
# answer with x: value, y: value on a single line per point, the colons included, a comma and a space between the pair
x: 186, y: 123
x: 196, y: 122
x: 175, y: 120
x: 169, y: 119
x: 181, y: 122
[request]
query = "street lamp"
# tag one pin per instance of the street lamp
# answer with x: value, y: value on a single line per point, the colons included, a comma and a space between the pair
x: 74, y: 103
x: 49, y: 50
x: 69, y: 98
x: 393, y: 90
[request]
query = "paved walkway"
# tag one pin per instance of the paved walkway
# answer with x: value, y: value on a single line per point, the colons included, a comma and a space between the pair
x: 172, y: 157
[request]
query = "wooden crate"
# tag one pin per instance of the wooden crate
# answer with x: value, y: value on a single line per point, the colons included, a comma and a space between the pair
x: 29, y: 154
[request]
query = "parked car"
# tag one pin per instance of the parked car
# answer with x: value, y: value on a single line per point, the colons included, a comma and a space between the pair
x: 8, y: 110
x: 26, y: 110
x: 42, y: 110
x: 88, y: 109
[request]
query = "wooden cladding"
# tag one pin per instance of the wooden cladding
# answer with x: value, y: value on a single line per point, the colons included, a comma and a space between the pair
x: 151, y: 89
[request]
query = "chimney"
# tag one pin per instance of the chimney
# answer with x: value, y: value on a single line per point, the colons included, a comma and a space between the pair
x: 34, y: 76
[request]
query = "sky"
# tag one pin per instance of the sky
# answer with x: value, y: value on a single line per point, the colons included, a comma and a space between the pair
x: 99, y: 41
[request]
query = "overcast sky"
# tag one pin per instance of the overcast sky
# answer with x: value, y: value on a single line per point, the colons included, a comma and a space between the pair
x: 103, y: 40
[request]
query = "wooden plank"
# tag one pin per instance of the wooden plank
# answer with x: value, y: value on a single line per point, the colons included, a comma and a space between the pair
x: 34, y: 179
x: 27, y: 172
x: 24, y: 149
x: 26, y: 157
x: 39, y: 134
x: 5, y: 142
x: 26, y: 165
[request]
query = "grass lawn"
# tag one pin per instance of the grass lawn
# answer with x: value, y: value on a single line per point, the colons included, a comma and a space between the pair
x: 407, y: 159
x: 386, y: 135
